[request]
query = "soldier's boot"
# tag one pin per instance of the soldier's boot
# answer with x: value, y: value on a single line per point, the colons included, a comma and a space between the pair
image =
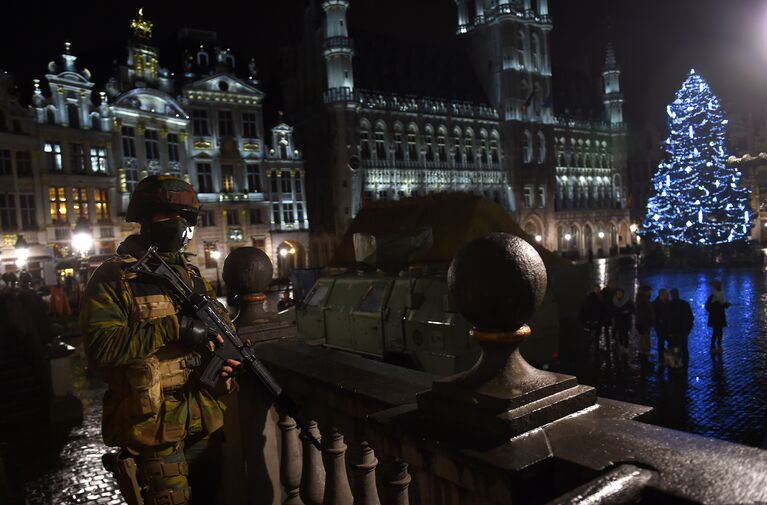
x: 123, y: 467
x: 164, y: 475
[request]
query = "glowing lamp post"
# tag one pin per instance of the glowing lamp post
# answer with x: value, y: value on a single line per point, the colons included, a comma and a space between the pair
x: 82, y: 242
x: 22, y: 252
x: 216, y: 255
x: 82, y: 237
x: 538, y: 238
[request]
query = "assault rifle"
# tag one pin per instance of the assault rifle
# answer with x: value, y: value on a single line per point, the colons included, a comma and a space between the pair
x: 203, y: 308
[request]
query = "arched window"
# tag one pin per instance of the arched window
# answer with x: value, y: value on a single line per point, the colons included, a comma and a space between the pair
x: 399, y: 150
x: 412, y: 142
x: 541, y: 147
x: 483, y: 146
x: 202, y: 58
x: 527, y: 146
x: 380, y: 139
x: 521, y: 49
x: 495, y: 156
x: 468, y: 145
x: 457, y: 148
x: 365, y: 141
x: 535, y: 52
x: 441, y: 147
x: 429, y: 142
x: 561, y: 160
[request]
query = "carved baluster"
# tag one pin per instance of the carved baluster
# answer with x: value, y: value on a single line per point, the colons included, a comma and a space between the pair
x: 290, y: 465
x: 397, y: 483
x: 337, y: 490
x: 313, y: 474
x: 365, y: 492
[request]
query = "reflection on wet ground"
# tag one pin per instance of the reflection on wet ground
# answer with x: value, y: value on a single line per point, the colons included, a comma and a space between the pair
x: 722, y: 396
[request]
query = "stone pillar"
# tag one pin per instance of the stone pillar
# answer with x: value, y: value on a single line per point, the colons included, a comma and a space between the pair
x: 497, y: 282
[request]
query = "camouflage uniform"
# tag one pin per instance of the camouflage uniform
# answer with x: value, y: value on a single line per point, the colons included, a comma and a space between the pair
x: 154, y: 409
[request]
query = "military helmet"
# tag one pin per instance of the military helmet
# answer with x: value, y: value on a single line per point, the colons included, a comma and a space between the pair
x: 163, y: 193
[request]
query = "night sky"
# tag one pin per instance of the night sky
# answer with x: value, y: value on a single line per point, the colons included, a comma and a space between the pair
x: 656, y: 41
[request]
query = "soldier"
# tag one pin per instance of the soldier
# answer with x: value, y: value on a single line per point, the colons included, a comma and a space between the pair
x: 163, y: 420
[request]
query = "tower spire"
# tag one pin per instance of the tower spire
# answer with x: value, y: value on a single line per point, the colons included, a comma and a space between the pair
x: 613, y: 99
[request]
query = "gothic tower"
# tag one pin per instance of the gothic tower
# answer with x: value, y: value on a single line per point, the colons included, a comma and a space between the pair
x: 613, y: 99
x: 338, y: 50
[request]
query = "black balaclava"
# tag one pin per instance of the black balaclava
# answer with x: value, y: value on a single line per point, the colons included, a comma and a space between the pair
x: 170, y: 235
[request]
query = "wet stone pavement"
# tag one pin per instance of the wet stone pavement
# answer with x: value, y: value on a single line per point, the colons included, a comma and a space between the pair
x: 77, y: 475
x: 721, y: 396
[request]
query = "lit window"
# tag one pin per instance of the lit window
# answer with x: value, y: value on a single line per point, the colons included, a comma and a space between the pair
x: 53, y: 152
x: 80, y: 202
x: 58, y: 205
x: 101, y: 202
x: 99, y: 160
x: 227, y: 179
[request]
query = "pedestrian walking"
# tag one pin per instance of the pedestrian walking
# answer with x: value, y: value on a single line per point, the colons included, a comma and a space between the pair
x: 643, y: 319
x: 623, y: 308
x: 590, y: 314
x: 680, y: 325
x: 606, y: 312
x: 717, y: 320
x: 660, y: 321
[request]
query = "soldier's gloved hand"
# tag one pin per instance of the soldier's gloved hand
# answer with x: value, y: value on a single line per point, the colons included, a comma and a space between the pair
x: 192, y: 332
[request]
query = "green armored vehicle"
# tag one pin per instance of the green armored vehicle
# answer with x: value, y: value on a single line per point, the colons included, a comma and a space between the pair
x: 391, y: 302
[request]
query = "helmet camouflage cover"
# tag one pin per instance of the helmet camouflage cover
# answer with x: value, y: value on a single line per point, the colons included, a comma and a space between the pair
x: 163, y: 193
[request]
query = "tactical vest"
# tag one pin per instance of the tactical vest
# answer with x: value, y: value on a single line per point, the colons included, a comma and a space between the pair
x: 155, y: 400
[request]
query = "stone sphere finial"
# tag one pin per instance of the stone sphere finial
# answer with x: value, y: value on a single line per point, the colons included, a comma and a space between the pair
x: 497, y: 282
x: 247, y: 270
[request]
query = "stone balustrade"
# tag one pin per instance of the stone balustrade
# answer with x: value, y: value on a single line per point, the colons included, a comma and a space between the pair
x: 500, y: 433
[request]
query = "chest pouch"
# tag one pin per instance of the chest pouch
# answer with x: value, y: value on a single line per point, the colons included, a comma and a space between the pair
x: 144, y: 381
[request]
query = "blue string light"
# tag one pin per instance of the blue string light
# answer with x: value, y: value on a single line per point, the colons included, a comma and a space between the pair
x: 689, y: 202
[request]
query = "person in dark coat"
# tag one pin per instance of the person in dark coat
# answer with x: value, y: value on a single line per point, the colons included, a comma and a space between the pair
x: 660, y: 320
x: 680, y: 324
x: 623, y: 308
x: 591, y: 311
x: 606, y: 312
x: 643, y: 319
x: 717, y: 320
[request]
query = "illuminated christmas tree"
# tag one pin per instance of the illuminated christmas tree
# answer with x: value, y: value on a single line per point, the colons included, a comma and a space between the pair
x: 696, y: 198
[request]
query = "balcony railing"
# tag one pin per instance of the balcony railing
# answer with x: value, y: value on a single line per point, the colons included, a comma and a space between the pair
x: 338, y: 43
x: 501, y: 433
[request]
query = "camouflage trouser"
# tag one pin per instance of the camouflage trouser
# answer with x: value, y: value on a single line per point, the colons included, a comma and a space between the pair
x: 169, y: 473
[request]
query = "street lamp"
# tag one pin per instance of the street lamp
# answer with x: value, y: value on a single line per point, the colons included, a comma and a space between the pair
x: 82, y: 242
x: 82, y: 237
x: 216, y: 255
x: 22, y: 252
x: 633, y: 228
x: 538, y: 238
x: 601, y: 234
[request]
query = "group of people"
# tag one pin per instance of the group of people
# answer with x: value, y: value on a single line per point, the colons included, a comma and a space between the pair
x: 608, y: 311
